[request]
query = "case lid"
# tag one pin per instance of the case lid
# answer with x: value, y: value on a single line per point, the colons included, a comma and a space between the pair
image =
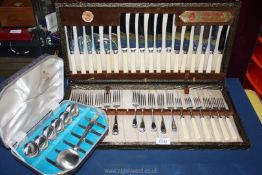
x: 27, y: 96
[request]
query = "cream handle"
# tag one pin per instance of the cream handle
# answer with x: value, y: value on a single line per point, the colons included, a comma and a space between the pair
x: 142, y: 62
x: 223, y: 128
x: 133, y: 61
x: 205, y: 128
x: 90, y: 63
x: 201, y: 63
x: 193, y: 63
x: 108, y: 63
x: 209, y: 63
x: 158, y: 62
x: 183, y: 65
x: 231, y: 128
x: 115, y: 57
x: 151, y: 61
x: 82, y: 61
x: 168, y: 62
x: 125, y: 66
x: 98, y: 63
x: 176, y: 62
x: 195, y: 128
x: 73, y: 63
x: 184, y: 127
x: 215, y: 129
x: 218, y: 63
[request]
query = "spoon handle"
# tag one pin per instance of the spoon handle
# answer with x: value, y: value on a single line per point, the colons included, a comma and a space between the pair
x: 90, y: 125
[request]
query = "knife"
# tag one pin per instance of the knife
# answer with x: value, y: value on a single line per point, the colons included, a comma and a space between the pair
x: 195, y: 48
x: 179, y: 40
x: 80, y: 40
x: 71, y: 48
x: 141, y: 39
x: 169, y: 40
x: 185, y: 49
x: 151, y: 41
x: 213, y: 39
x: 204, y: 48
x: 158, y: 45
x: 89, y: 47
x: 221, y: 47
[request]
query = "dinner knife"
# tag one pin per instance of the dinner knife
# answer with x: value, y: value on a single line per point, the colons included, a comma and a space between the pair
x: 195, y: 48
x: 213, y: 40
x: 204, y: 48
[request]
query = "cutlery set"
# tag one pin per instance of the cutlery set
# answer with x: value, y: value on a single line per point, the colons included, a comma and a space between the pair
x: 201, y: 115
x: 140, y: 76
x: 137, y: 62
x: 63, y: 139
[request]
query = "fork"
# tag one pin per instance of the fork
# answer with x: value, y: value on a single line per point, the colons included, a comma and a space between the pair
x: 142, y: 105
x: 189, y: 106
x: 89, y: 98
x: 116, y: 104
x: 179, y: 106
x: 228, y: 121
x: 208, y: 102
x: 199, y: 106
x: 73, y: 95
x: 218, y: 102
x: 98, y: 99
x: 161, y: 104
x: 107, y: 100
x: 151, y: 105
x: 170, y: 105
x: 135, y: 96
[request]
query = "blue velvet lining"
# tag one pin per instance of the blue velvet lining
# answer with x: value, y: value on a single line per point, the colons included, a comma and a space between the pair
x: 39, y: 162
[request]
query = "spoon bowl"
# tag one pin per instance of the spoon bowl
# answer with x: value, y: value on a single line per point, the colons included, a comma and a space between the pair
x: 73, y: 109
x: 31, y: 149
x: 50, y: 132
x: 66, y: 117
x: 68, y: 159
x: 58, y: 124
x: 42, y: 142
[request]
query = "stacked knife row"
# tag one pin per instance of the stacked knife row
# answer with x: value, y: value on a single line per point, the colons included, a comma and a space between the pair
x: 212, y: 123
x: 146, y: 42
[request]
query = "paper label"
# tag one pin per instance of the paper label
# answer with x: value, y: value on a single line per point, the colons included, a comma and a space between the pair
x: 163, y: 141
x: 18, y: 31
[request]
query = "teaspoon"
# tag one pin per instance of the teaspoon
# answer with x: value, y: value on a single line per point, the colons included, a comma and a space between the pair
x: 66, y: 117
x: 73, y: 109
x: 58, y: 124
x: 50, y: 132
x: 42, y: 142
x: 31, y: 149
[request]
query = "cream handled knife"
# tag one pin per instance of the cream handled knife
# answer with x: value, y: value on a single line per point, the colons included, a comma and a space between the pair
x: 204, y: 48
x: 177, y: 47
x: 221, y: 47
x: 213, y: 39
x: 195, y: 48
x: 185, y: 49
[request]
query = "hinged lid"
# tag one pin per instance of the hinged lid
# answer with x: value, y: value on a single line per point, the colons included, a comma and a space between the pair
x: 27, y: 96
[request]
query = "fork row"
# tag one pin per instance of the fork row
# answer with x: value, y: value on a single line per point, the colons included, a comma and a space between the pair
x: 206, y: 99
